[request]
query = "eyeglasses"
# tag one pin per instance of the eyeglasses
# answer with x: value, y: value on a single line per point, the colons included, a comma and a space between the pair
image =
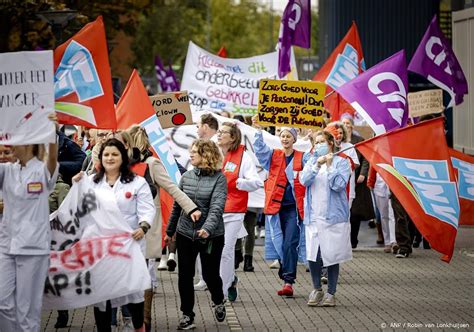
x: 222, y: 132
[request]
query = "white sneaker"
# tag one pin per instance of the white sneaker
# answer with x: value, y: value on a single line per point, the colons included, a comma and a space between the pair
x: 315, y: 298
x: 200, y: 286
x: 329, y: 300
x: 163, y: 263
x: 275, y: 264
x: 262, y: 233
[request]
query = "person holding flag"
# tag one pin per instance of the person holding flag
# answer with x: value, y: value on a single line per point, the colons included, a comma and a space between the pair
x: 284, y: 197
x: 326, y: 216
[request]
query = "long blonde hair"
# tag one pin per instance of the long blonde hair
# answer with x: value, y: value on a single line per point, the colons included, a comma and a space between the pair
x: 139, y: 138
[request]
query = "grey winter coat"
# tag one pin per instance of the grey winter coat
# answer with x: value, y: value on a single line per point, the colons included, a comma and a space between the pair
x: 209, y: 193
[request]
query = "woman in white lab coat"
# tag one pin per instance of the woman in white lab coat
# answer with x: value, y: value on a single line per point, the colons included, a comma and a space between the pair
x: 135, y: 201
x: 326, y: 216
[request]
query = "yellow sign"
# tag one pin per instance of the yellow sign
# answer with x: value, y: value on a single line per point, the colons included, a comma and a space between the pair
x: 291, y: 103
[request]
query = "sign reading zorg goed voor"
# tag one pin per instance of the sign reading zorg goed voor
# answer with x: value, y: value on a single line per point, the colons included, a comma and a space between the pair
x: 291, y: 103
x: 172, y: 109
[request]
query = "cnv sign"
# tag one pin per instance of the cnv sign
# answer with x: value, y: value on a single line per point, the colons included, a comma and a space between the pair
x: 379, y: 95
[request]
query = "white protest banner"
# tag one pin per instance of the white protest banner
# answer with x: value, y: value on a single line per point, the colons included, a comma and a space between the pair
x: 26, y: 98
x: 181, y: 138
x: 93, y: 257
x: 217, y: 84
x: 425, y: 102
x: 172, y: 109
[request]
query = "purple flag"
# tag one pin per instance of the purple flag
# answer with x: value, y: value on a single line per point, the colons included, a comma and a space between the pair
x: 295, y: 29
x: 435, y: 60
x: 166, y: 77
x: 379, y: 95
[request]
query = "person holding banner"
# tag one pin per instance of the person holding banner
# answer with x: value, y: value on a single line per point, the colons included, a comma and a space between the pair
x: 135, y: 202
x: 284, y: 197
x: 25, y: 234
x: 207, y: 187
x: 242, y: 178
x: 326, y: 216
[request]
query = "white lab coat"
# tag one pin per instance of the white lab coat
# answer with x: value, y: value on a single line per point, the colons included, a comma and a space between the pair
x: 135, y: 201
x: 332, y: 238
x: 24, y: 243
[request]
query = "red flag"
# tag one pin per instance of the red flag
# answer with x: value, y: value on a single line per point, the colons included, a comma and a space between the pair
x: 344, y: 63
x: 464, y: 168
x: 421, y: 177
x: 83, y: 84
x: 134, y: 106
x: 222, y: 52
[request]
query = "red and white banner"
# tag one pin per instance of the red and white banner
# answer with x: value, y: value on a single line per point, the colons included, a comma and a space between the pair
x: 93, y: 257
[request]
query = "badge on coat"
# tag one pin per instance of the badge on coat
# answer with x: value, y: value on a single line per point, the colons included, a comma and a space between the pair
x: 230, y: 167
x: 34, y: 188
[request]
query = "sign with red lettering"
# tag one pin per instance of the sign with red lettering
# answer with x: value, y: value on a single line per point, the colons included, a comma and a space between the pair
x: 216, y: 84
x: 93, y: 256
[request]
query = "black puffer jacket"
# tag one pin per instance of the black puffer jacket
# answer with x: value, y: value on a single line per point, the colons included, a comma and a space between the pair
x: 209, y: 193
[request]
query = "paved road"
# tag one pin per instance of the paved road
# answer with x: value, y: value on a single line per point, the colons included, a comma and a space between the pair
x: 376, y: 291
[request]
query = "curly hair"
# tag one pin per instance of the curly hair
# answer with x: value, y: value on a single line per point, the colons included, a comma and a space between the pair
x: 126, y: 175
x: 210, y: 154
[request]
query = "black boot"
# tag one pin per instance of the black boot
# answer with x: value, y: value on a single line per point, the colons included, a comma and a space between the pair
x: 63, y: 317
x: 239, y: 258
x: 248, y: 264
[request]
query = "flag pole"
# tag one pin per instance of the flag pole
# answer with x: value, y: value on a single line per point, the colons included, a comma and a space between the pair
x: 330, y: 93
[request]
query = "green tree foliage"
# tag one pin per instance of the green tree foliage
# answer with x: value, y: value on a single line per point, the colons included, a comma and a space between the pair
x: 246, y: 28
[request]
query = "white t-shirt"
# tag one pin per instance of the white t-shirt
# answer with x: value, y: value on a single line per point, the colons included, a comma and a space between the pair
x: 319, y: 195
x: 351, y: 153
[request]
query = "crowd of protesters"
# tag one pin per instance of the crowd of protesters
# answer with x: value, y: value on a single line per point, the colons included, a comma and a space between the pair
x: 315, y: 202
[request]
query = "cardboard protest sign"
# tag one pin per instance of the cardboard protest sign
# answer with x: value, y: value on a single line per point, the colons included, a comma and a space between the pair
x: 93, y: 256
x: 216, y: 84
x: 26, y: 97
x: 425, y: 102
x: 172, y: 109
x: 291, y: 104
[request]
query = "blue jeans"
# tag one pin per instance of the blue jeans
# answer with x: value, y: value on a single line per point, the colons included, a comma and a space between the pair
x: 316, y: 269
x: 291, y: 237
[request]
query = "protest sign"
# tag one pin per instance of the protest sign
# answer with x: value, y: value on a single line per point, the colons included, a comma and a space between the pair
x: 425, y: 102
x: 291, y: 104
x: 26, y: 97
x: 215, y: 83
x: 93, y: 256
x: 172, y: 109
